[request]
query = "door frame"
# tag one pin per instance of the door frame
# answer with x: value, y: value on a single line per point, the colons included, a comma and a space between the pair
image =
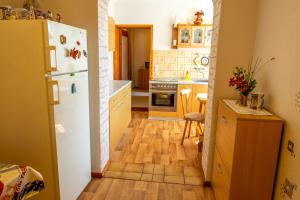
x: 117, y: 52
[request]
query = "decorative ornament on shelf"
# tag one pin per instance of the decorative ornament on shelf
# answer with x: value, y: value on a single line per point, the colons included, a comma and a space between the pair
x: 49, y: 15
x: 59, y: 18
x: 31, y: 3
x: 199, y: 15
x: 244, y: 79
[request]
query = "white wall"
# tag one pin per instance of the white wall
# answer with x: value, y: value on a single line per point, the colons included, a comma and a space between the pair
x: 160, y: 13
x: 277, y: 36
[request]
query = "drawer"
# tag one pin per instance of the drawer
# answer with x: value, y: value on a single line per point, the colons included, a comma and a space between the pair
x: 220, y: 178
x: 225, y: 136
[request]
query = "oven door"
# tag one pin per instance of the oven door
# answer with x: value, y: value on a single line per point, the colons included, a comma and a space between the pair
x: 163, y: 100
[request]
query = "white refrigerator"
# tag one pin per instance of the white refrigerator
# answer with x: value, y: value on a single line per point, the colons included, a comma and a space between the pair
x: 44, y: 106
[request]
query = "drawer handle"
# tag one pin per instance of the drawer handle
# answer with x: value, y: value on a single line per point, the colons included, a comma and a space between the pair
x: 224, y: 119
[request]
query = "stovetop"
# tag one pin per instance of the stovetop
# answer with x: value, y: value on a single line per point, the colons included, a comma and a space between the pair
x: 165, y: 81
x: 163, y: 84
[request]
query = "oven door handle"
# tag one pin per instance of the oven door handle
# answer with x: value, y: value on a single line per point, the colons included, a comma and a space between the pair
x: 163, y: 91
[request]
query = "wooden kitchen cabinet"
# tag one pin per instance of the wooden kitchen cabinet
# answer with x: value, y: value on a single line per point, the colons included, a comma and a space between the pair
x: 192, y: 36
x: 246, y: 154
x: 184, y: 35
x: 120, y: 115
x: 194, y: 104
x: 111, y: 34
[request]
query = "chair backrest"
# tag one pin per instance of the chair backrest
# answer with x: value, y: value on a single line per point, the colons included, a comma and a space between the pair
x: 202, y: 98
x: 185, y: 100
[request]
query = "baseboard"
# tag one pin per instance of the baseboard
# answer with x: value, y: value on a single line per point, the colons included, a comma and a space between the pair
x: 207, y: 184
x: 139, y: 109
x: 101, y: 175
x: 96, y: 175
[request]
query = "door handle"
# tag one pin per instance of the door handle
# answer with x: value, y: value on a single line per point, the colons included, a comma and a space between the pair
x: 53, y: 101
x: 52, y: 68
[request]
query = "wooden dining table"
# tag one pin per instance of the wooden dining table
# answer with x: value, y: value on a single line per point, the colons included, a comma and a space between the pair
x: 19, y: 182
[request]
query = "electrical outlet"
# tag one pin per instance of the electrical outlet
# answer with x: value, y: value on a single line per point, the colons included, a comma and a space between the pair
x: 287, y: 189
x: 291, y: 146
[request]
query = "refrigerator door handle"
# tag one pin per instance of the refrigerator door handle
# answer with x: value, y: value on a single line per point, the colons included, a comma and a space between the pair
x: 52, y: 68
x: 52, y: 100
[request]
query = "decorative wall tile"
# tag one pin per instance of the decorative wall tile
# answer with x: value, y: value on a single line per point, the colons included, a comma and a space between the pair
x: 174, y: 63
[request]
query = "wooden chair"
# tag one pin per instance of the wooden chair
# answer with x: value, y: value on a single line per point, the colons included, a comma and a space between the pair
x: 190, y: 117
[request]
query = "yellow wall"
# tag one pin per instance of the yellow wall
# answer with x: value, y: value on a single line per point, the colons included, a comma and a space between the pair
x: 278, y: 34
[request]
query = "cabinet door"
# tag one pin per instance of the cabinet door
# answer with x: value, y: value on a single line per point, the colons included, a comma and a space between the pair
x: 181, y: 103
x: 184, y: 35
x: 197, y: 89
x: 198, y: 33
x: 208, y: 35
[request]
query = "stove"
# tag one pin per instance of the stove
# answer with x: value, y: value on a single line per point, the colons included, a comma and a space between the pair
x: 163, y: 95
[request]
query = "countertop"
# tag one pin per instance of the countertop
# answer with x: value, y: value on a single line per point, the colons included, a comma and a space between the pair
x: 181, y: 81
x: 116, y: 86
x: 193, y: 82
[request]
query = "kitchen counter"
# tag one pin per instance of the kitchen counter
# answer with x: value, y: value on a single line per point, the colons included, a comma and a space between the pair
x: 116, y: 86
x: 180, y: 81
x: 193, y: 82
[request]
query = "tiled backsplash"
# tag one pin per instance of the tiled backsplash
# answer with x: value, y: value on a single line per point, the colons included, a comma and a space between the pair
x: 175, y: 63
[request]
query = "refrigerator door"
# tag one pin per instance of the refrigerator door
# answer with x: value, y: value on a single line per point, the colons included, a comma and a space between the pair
x: 67, y: 48
x: 71, y: 107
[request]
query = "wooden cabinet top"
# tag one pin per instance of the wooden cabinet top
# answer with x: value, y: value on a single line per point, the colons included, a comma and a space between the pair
x: 252, y: 117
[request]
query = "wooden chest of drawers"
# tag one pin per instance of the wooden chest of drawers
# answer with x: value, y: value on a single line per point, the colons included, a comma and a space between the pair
x: 246, y: 154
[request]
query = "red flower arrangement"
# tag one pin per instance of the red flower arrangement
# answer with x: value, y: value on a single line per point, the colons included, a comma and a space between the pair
x: 244, y: 80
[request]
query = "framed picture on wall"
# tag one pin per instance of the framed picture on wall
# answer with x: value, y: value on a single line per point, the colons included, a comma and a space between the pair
x: 208, y: 36
x: 198, y: 36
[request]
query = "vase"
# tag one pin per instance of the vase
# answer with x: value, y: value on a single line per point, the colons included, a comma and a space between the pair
x: 243, y: 100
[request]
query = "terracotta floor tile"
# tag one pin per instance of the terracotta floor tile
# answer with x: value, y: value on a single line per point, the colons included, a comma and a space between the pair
x: 159, y: 169
x: 158, y: 178
x: 192, y: 171
x: 146, y: 177
x: 132, y: 176
x: 112, y: 174
x: 133, y: 167
x: 116, y: 166
x: 174, y: 170
x: 174, y: 179
x: 148, y: 168
x: 190, y: 180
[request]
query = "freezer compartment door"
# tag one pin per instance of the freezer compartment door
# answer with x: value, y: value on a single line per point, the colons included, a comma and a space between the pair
x: 67, y: 48
x: 72, y: 133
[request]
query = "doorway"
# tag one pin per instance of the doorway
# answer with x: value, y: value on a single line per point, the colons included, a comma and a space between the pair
x: 133, y: 60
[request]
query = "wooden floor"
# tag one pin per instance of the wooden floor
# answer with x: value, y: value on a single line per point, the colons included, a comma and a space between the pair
x: 156, y: 142
x: 113, y: 189
x: 150, y: 163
